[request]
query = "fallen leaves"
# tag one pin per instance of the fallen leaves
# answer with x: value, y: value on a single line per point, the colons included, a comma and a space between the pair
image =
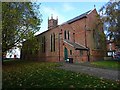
x: 37, y: 75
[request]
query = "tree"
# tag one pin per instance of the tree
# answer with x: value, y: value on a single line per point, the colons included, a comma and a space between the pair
x: 20, y: 21
x: 111, y: 18
x: 99, y: 36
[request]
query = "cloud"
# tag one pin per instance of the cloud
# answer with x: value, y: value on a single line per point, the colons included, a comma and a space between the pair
x: 68, y: 7
x: 49, y: 11
x: 46, y: 12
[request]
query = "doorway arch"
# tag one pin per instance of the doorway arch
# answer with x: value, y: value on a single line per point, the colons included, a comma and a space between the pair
x: 65, y: 54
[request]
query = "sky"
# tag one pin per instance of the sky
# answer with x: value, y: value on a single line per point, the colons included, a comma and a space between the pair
x: 64, y: 11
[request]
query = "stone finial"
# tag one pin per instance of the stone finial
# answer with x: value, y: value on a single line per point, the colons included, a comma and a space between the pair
x: 51, y: 16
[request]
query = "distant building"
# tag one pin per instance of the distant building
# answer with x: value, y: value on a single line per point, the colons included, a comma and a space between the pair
x: 76, y: 39
x: 111, y: 48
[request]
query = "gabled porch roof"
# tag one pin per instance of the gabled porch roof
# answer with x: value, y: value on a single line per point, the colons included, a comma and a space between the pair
x: 75, y: 45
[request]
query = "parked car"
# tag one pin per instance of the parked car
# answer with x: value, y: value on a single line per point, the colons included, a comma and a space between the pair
x: 116, y: 56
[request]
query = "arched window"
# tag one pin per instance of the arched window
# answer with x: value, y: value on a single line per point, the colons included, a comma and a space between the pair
x: 65, y: 35
x: 68, y: 35
x: 53, y: 42
x: 43, y: 44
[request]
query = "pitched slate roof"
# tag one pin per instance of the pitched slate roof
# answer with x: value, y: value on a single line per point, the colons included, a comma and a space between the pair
x: 70, y: 21
x: 78, y: 17
x: 75, y: 45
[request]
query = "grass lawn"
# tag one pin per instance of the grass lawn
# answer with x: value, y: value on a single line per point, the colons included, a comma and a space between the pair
x: 107, y: 64
x: 29, y: 74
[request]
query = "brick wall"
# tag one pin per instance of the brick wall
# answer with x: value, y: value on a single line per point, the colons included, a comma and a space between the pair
x: 77, y: 31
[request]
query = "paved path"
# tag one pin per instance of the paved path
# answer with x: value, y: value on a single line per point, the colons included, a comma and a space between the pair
x: 101, y: 73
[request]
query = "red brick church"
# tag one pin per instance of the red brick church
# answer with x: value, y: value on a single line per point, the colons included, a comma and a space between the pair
x: 76, y: 40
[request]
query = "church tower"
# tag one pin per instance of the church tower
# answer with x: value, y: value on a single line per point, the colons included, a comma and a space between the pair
x: 52, y: 22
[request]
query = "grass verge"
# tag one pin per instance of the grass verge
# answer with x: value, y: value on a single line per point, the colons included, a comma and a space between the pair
x: 107, y: 64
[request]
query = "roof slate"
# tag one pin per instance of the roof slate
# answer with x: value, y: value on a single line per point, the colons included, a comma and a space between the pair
x: 78, y: 17
x: 70, y: 21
